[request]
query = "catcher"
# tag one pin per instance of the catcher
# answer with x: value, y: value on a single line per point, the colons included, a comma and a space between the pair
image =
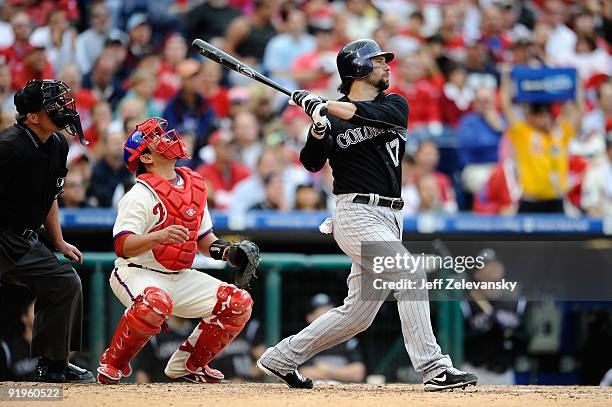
x: 162, y: 222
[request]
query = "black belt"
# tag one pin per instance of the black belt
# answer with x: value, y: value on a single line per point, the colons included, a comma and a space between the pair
x: 394, y: 203
x: 149, y: 268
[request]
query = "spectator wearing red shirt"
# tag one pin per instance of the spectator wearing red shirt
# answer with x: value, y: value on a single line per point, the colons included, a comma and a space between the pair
x: 34, y: 66
x: 426, y: 160
x: 457, y: 96
x: 215, y: 94
x: 85, y: 98
x: 39, y: 10
x: 168, y: 81
x: 451, y: 31
x: 21, y: 25
x: 578, y: 167
x: 102, y: 116
x: 502, y: 192
x: 224, y: 172
x: 432, y: 55
x: 422, y: 97
x: 314, y: 70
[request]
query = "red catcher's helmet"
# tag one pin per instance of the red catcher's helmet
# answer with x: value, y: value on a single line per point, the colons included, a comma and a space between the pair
x: 152, y: 134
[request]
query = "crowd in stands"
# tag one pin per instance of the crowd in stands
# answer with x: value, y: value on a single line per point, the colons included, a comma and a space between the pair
x: 469, y: 147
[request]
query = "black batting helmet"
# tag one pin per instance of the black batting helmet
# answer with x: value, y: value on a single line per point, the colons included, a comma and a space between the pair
x: 354, y: 60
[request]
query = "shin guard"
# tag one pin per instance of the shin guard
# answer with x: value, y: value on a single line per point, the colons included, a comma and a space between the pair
x: 139, y: 323
x: 214, y: 333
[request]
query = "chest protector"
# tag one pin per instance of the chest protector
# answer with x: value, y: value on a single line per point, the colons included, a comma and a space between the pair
x: 185, y: 207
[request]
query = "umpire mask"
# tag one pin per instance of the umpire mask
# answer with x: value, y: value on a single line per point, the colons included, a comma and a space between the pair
x: 50, y: 95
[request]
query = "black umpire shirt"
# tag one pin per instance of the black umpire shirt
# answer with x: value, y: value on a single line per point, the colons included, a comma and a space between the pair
x: 365, y: 152
x: 32, y: 176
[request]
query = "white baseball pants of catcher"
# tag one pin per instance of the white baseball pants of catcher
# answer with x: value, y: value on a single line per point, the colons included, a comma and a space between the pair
x: 193, y: 294
x: 354, y: 223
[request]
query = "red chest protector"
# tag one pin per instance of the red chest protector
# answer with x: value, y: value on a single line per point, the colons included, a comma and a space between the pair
x: 185, y: 207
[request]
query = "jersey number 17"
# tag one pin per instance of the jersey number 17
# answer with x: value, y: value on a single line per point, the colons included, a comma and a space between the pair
x: 393, y: 149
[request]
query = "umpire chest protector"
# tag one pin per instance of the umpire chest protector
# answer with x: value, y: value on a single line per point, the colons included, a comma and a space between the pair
x: 180, y: 206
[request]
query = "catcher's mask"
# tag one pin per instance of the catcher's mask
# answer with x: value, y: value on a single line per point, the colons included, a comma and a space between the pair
x: 51, y: 96
x: 152, y: 134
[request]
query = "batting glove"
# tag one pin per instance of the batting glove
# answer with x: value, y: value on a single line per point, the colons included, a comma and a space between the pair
x: 320, y: 122
x: 305, y: 100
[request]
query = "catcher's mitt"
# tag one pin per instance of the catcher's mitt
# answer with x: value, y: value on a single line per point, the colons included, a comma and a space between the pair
x: 244, y: 256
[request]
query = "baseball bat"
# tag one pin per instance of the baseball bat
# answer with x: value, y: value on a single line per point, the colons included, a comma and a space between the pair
x: 225, y: 59
x: 220, y: 57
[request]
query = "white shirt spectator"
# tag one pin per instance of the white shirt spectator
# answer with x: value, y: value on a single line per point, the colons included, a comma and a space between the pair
x: 58, y: 56
x: 249, y: 155
x: 589, y: 64
x: 357, y: 25
x: 410, y: 195
x: 594, y: 122
x: 596, y: 195
x: 561, y: 45
x: 89, y: 46
x: 6, y: 35
x: 8, y: 104
x: 282, y: 51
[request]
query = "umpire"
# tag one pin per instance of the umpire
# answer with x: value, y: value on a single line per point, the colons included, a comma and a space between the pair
x: 32, y: 171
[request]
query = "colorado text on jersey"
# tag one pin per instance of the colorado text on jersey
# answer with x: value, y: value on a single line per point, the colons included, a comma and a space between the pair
x: 359, y: 134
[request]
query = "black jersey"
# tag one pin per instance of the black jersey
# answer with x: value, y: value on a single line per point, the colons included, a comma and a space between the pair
x: 32, y: 176
x: 365, y: 152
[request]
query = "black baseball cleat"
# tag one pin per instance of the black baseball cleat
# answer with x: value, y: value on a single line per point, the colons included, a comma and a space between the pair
x: 451, y: 378
x: 75, y: 374
x: 53, y: 373
x: 293, y: 379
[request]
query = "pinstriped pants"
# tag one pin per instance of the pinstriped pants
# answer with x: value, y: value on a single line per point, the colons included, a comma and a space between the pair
x: 353, y: 224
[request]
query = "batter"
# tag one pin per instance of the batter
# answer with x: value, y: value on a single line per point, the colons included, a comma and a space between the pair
x: 363, y: 136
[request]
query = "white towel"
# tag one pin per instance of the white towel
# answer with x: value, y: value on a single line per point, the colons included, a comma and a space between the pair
x: 327, y: 226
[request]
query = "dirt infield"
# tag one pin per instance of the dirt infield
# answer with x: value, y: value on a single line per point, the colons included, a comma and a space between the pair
x: 271, y: 395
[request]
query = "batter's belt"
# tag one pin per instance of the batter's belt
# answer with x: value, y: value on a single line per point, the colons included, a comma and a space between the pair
x: 373, y: 199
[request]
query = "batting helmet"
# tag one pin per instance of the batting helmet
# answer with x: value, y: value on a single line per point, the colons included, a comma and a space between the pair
x: 354, y: 60
x: 152, y: 134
